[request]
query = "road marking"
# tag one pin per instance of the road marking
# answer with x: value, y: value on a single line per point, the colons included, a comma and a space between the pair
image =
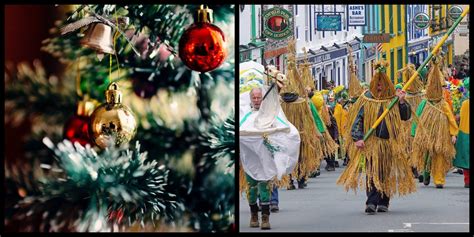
x: 400, y: 230
x: 405, y: 225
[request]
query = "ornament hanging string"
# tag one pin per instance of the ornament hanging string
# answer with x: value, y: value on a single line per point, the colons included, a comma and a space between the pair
x: 78, y: 78
x: 115, y: 52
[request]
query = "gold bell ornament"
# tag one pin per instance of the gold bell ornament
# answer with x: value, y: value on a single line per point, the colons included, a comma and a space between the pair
x: 99, y: 37
x: 112, y: 123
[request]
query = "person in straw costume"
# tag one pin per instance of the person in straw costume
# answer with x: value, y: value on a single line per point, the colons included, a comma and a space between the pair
x: 435, y: 132
x: 415, y: 94
x: 295, y: 105
x: 354, y: 91
x: 320, y: 115
x: 377, y: 164
x: 328, y: 127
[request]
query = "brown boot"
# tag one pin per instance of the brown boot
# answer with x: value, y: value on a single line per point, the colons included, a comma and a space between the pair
x: 254, y: 216
x: 265, y: 217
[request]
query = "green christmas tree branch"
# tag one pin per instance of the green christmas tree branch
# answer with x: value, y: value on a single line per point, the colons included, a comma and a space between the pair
x: 115, y: 180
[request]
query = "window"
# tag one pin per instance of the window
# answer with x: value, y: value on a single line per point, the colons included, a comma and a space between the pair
x: 400, y: 59
x: 306, y: 34
x: 373, y: 28
x: 382, y: 11
x: 390, y: 18
x: 296, y: 10
x: 310, y: 24
x: 366, y: 28
x: 363, y: 71
x: 306, y: 23
x: 297, y: 34
x: 391, y: 66
x: 399, y: 18
x: 338, y: 75
x: 245, y: 56
x: 345, y: 70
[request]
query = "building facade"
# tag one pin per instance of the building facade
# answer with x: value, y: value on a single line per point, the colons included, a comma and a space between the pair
x: 327, y: 49
x: 418, y: 39
x: 251, y: 45
x: 395, y: 52
x: 440, y: 24
x: 461, y: 36
x: 369, y: 52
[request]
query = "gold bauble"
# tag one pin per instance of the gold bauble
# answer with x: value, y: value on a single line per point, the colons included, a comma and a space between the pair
x: 112, y: 123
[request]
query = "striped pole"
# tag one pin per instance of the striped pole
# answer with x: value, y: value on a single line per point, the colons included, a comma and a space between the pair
x: 412, y: 78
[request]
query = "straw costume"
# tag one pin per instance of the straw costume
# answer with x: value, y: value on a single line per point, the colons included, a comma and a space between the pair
x: 296, y: 108
x: 433, y: 150
x: 415, y: 94
x: 341, y: 113
x: 319, y: 111
x: 379, y: 166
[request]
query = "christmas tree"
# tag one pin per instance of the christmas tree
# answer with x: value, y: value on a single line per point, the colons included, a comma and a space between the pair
x: 167, y: 161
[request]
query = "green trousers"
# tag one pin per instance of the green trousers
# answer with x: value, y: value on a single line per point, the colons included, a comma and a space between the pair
x: 256, y: 188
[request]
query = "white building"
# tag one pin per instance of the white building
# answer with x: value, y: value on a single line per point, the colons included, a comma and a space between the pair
x: 327, y: 49
x: 461, y: 35
x: 276, y: 50
x: 250, y: 43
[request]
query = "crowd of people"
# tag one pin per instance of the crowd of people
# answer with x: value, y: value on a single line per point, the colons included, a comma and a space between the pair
x: 288, y: 128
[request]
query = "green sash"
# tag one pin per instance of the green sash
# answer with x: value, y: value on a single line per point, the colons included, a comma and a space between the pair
x: 419, y: 110
x: 317, y: 118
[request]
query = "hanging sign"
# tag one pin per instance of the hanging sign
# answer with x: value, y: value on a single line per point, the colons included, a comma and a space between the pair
x: 356, y: 15
x: 454, y: 12
x: 376, y: 38
x: 277, y: 23
x: 328, y: 22
x: 421, y: 20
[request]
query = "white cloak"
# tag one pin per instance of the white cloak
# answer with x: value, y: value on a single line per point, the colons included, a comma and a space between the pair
x: 256, y: 159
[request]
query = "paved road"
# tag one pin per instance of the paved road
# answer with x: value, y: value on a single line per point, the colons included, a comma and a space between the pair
x: 324, y: 206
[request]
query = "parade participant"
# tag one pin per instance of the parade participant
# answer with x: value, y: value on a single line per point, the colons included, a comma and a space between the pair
x: 378, y: 159
x: 296, y: 108
x: 356, y: 88
x: 332, y: 127
x: 435, y: 132
x: 269, y: 147
x: 340, y: 115
x: 322, y: 119
x: 462, y: 143
x: 414, y: 95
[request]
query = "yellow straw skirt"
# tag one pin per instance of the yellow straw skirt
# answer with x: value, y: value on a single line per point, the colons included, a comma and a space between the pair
x: 433, y: 138
x: 381, y: 161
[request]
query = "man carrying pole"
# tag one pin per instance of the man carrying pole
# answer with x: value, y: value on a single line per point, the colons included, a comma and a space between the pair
x: 353, y: 182
x: 380, y: 157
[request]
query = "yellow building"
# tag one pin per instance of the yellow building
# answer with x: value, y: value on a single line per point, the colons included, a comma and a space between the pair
x: 393, y: 22
x: 439, y: 26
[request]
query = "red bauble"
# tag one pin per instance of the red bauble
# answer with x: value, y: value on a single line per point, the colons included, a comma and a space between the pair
x: 202, y: 47
x: 77, y: 129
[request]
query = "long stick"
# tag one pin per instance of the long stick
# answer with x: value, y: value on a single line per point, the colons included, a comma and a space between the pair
x: 412, y: 78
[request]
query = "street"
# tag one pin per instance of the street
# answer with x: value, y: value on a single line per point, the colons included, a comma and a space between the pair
x: 324, y: 206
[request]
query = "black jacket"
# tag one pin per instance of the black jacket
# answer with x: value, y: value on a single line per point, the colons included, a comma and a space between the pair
x: 357, y: 130
x: 333, y: 130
